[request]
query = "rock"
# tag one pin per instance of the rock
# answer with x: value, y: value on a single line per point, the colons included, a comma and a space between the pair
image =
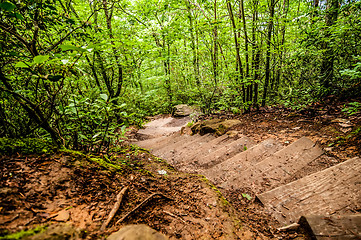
x: 182, y: 110
x: 137, y: 232
x: 217, y: 126
x: 62, y: 216
x: 232, y: 134
x: 57, y: 232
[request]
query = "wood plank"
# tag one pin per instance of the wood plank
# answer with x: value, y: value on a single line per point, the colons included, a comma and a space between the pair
x: 344, y: 227
x: 226, y: 152
x: 274, y: 170
x: 334, y: 190
x: 187, y: 159
x: 194, y: 140
x: 157, y: 142
x: 232, y: 167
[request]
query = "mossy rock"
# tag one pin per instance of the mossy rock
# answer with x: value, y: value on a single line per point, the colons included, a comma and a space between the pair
x: 217, y: 126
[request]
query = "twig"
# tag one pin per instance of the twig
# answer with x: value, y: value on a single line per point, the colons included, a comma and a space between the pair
x: 12, y: 219
x: 115, y: 208
x: 175, y: 216
x: 140, y: 205
x: 291, y: 227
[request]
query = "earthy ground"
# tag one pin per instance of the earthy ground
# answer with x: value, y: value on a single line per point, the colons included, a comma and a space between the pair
x: 72, y: 187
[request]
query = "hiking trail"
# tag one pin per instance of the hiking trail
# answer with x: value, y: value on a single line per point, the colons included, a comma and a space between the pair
x: 274, y: 171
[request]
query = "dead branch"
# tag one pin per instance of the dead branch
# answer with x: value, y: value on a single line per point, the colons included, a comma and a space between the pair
x: 175, y: 216
x: 291, y: 227
x: 115, y: 208
x: 140, y: 205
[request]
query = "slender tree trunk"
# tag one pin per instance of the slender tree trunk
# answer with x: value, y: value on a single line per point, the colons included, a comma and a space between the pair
x: 282, y: 50
x: 255, y: 53
x: 239, y: 67
x: 215, y: 45
x: 243, y: 16
x: 328, y: 55
x: 193, y: 44
x: 268, y: 51
x: 108, y: 18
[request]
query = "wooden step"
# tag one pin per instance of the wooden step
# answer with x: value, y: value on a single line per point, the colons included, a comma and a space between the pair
x: 272, y: 171
x: 321, y: 227
x: 220, y: 154
x: 230, y: 168
x: 183, y: 161
x: 158, y: 142
x: 176, y: 148
x: 169, y: 146
x: 186, y: 154
x: 330, y: 191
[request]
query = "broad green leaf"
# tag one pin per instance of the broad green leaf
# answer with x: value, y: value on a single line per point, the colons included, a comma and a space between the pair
x: 41, y: 59
x: 19, y: 16
x: 21, y: 65
x: 104, y: 96
x: 7, y: 6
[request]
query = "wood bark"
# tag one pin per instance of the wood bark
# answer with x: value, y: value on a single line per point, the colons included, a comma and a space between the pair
x: 239, y: 67
x: 328, y: 55
x: 268, y: 51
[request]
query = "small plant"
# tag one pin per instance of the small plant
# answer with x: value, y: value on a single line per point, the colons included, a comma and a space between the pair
x: 245, y: 195
x: 352, y: 108
x: 190, y: 124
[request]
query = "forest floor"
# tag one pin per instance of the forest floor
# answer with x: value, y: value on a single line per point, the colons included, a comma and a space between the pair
x: 51, y: 189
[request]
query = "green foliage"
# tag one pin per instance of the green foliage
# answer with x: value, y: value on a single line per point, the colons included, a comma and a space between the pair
x: 25, y: 146
x: 352, y: 108
x: 80, y: 73
x: 24, y: 233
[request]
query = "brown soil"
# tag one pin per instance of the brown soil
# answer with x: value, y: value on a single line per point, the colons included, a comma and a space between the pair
x: 37, y: 190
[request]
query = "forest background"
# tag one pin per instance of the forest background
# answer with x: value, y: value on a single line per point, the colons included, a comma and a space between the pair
x: 79, y: 72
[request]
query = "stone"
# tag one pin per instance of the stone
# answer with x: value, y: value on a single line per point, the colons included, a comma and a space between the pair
x: 57, y: 232
x: 232, y: 133
x: 62, y: 216
x: 217, y: 126
x: 182, y: 110
x: 137, y: 232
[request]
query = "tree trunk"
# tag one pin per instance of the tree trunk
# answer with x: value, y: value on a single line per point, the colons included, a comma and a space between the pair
x: 239, y: 67
x: 328, y: 55
x: 193, y: 44
x: 268, y: 51
x: 215, y: 45
x: 243, y: 16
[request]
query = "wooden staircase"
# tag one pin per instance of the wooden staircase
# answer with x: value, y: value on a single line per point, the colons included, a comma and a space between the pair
x: 268, y: 168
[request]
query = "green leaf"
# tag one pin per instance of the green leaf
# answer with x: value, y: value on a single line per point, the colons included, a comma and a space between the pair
x: 55, y: 78
x: 41, y: 58
x: 104, y: 96
x: 7, y: 6
x: 71, y: 47
x: 19, y: 16
x: 21, y: 65
x: 245, y: 195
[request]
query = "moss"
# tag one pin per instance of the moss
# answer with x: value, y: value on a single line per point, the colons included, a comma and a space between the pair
x: 25, y: 233
x: 222, y: 199
x: 25, y: 146
x: 103, y: 163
